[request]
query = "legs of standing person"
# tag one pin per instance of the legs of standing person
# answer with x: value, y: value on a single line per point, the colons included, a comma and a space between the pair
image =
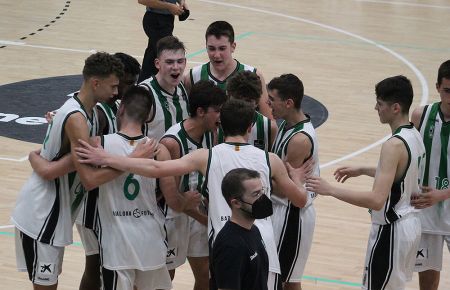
x: 429, y: 261
x: 91, y: 276
x: 156, y: 26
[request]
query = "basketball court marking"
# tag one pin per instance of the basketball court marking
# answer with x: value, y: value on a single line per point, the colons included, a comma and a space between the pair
x: 405, y: 4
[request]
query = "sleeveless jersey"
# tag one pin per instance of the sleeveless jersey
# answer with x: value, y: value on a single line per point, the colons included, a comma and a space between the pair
x: 88, y: 209
x: 398, y: 202
x: 203, y: 72
x: 435, y: 133
x: 169, y: 108
x: 130, y: 225
x: 187, y: 145
x: 45, y: 210
x: 280, y: 148
x: 223, y: 158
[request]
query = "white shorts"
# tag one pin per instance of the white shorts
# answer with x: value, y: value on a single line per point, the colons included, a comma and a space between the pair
x: 143, y: 280
x: 43, y: 262
x: 429, y: 255
x: 293, y: 229
x: 391, y: 252
x: 186, y: 238
x: 89, y: 240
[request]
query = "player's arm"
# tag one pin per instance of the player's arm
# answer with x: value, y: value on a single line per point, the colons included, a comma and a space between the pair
x: 187, y: 81
x: 50, y: 170
x: 263, y: 105
x: 196, y: 161
x: 429, y: 197
x: 76, y: 129
x: 343, y: 173
x: 273, y: 132
x: 284, y: 186
x: 391, y: 152
x: 416, y: 116
x: 175, y: 200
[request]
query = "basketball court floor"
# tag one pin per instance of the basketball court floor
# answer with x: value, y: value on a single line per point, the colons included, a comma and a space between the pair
x: 339, y: 48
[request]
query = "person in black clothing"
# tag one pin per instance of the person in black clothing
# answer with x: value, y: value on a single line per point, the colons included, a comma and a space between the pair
x: 239, y: 259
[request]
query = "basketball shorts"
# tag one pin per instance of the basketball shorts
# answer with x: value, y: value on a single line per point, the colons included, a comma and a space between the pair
x: 143, y: 280
x: 430, y: 253
x: 293, y: 230
x: 391, y: 253
x: 43, y: 262
x: 88, y: 239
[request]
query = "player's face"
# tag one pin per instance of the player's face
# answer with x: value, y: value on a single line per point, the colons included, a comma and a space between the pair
x: 220, y: 51
x: 212, y: 118
x: 253, y: 190
x: 277, y: 104
x: 106, y: 89
x: 171, y: 65
x: 125, y: 83
x: 385, y: 110
x: 444, y: 92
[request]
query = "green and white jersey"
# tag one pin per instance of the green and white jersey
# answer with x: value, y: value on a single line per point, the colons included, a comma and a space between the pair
x: 110, y: 113
x: 223, y: 158
x: 203, y: 72
x: 130, y: 225
x: 435, y: 133
x: 280, y: 147
x: 398, y: 203
x: 46, y: 210
x: 193, y: 181
x: 169, y: 108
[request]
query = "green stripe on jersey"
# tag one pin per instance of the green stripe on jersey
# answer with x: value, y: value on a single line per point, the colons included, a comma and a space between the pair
x: 428, y: 139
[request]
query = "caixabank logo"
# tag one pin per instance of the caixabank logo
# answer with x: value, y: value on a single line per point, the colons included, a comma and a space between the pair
x: 24, y: 104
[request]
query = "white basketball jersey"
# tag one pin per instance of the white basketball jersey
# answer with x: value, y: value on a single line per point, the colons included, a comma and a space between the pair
x: 435, y: 133
x: 223, y: 158
x: 169, y: 108
x: 130, y: 225
x: 203, y: 72
x: 398, y: 203
x: 110, y: 112
x: 280, y: 148
x: 45, y: 210
x: 187, y: 145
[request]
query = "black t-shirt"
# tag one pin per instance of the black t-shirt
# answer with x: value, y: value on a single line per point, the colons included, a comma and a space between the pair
x: 239, y: 259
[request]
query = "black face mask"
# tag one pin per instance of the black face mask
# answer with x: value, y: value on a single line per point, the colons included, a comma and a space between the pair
x: 261, y: 208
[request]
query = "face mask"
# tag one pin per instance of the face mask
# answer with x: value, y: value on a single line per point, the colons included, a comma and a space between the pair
x: 261, y: 208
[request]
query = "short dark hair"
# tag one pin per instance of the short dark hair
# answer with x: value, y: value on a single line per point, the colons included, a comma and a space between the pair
x: 443, y: 72
x: 130, y: 64
x: 396, y: 89
x: 245, y: 85
x: 232, y: 183
x: 169, y: 43
x: 137, y: 103
x: 220, y: 28
x: 289, y: 86
x: 236, y: 116
x: 102, y: 65
x: 205, y: 94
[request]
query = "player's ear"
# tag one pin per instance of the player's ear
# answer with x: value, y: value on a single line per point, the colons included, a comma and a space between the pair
x: 233, y: 47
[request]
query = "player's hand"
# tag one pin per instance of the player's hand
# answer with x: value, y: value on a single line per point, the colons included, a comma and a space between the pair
x: 94, y: 155
x: 192, y: 200
x: 343, y: 173
x: 175, y: 9
x: 147, y: 149
x: 299, y: 175
x: 428, y: 197
x: 318, y: 185
x: 183, y: 5
x: 34, y: 153
x: 49, y: 116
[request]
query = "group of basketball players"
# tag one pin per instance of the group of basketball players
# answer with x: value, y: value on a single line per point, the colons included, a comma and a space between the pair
x: 139, y: 170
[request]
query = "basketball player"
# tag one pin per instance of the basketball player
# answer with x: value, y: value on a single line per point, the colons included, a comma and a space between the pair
x: 246, y: 86
x: 188, y: 236
x: 433, y: 122
x: 395, y: 233
x: 214, y: 164
x: 45, y: 210
x: 170, y: 94
x: 220, y: 46
x: 295, y: 143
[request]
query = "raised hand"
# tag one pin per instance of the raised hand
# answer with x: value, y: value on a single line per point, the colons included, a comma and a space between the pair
x: 94, y: 155
x: 318, y: 185
x: 343, y: 173
x: 301, y: 173
x: 147, y: 149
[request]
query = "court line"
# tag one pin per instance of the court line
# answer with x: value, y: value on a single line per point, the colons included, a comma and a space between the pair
x: 405, y: 4
x: 419, y: 75
x: 14, y: 159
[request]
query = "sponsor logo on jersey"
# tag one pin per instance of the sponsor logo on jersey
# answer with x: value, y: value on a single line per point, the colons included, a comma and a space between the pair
x: 136, y: 213
x: 46, y: 269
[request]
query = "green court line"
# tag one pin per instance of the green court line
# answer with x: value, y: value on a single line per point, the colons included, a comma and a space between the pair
x: 239, y: 37
x: 351, y: 42
x: 309, y: 278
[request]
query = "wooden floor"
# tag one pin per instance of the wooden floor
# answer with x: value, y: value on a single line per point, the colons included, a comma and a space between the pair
x: 339, y: 48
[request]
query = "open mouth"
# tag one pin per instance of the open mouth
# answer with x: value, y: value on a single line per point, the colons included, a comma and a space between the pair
x: 175, y: 76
